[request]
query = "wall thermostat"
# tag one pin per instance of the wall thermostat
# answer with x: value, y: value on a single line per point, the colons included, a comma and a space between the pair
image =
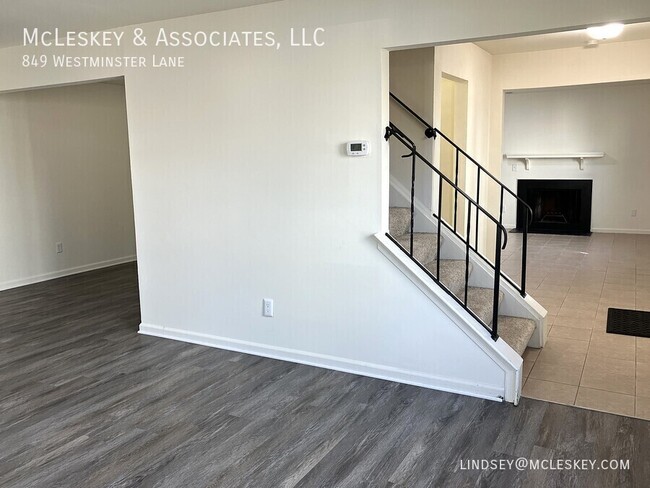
x: 358, y: 148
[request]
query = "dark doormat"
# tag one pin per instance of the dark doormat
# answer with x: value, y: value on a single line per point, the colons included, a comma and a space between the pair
x: 628, y: 322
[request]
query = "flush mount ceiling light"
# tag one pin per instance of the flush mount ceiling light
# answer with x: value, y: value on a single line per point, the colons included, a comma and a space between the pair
x: 604, y: 32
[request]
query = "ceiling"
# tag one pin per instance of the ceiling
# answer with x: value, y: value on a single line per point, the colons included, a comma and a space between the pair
x: 93, y: 15
x: 559, y: 40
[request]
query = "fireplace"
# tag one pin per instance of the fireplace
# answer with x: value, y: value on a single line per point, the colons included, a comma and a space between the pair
x: 559, y: 206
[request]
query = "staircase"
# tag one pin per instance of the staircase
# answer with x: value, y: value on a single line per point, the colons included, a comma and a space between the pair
x: 451, y: 260
x: 515, y: 331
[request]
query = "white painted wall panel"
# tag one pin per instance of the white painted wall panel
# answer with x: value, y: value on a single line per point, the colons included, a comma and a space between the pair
x: 609, y: 118
x: 228, y: 211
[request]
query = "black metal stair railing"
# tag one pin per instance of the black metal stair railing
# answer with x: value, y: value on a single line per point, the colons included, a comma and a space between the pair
x: 432, y: 132
x: 501, y: 235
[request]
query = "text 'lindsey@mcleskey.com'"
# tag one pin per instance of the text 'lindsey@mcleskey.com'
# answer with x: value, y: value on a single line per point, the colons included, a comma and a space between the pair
x: 524, y: 464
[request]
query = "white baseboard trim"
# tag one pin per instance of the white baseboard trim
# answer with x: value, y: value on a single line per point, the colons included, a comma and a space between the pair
x: 7, y: 285
x: 325, y: 361
x: 621, y: 231
x: 603, y: 230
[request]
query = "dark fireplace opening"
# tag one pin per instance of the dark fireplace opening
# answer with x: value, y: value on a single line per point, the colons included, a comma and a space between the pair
x: 559, y: 206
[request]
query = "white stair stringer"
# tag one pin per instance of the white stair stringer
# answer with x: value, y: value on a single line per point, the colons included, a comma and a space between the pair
x: 505, y: 357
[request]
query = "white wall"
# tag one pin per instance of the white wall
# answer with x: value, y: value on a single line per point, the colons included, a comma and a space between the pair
x: 609, y: 118
x: 411, y: 80
x: 228, y: 212
x: 470, y: 63
x: 64, y: 177
x: 613, y: 62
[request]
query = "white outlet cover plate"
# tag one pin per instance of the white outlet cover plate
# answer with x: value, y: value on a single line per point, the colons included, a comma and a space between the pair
x: 267, y: 307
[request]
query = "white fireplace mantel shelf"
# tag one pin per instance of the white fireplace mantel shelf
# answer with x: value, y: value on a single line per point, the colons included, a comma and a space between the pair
x: 580, y: 157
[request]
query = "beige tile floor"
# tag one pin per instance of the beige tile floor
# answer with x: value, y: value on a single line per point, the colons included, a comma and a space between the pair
x: 577, y: 279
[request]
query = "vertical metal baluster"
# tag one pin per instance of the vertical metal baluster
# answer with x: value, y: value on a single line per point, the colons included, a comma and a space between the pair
x: 456, y: 193
x: 501, y: 210
x: 524, y: 255
x: 439, y: 225
x: 497, y: 280
x: 412, y: 197
x: 469, y: 226
x: 501, y: 207
x: 478, y: 201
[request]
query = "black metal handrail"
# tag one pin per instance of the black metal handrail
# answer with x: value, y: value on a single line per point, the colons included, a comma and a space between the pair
x: 501, y: 234
x: 429, y: 131
x: 432, y: 132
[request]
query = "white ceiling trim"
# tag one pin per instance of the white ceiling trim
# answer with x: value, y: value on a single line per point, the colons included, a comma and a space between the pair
x: 559, y: 40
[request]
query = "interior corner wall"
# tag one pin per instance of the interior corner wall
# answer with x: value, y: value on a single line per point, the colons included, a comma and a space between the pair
x: 64, y: 177
x: 608, y: 63
x: 411, y: 80
x: 613, y: 118
x: 472, y: 64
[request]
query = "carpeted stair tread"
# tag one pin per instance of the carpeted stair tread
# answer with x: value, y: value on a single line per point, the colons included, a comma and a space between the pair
x: 516, y: 332
x: 452, y: 274
x: 399, y: 221
x: 480, y: 300
x: 425, y: 245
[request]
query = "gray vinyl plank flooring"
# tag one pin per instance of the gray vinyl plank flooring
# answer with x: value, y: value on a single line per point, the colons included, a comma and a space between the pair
x: 87, y: 402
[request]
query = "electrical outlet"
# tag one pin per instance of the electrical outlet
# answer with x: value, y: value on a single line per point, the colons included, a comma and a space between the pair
x: 59, y: 248
x: 267, y: 307
x: 634, y: 213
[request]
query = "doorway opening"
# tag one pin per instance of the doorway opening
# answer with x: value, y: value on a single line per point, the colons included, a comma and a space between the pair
x: 65, y: 176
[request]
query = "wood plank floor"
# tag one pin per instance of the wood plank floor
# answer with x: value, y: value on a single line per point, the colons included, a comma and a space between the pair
x: 87, y: 402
